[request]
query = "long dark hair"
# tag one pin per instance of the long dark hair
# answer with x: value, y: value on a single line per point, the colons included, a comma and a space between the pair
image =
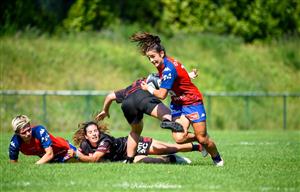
x: 146, y: 42
x: 79, y: 135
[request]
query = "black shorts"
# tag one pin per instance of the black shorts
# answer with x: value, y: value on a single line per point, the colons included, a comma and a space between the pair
x: 143, y: 146
x: 136, y: 104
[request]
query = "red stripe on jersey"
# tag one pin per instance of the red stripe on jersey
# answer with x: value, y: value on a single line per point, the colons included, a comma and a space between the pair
x: 184, y: 91
x: 59, y: 146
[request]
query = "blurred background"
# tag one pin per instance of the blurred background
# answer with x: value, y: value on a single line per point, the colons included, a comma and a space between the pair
x: 247, y: 53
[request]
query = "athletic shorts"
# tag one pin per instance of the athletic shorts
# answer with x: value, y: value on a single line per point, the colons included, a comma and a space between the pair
x: 144, y: 145
x: 63, y: 158
x: 195, y: 112
x: 136, y: 104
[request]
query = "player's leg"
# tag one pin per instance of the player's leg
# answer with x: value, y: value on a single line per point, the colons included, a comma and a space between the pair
x: 210, y: 146
x: 134, y: 118
x: 172, y: 158
x: 178, y: 117
x: 133, y: 139
x: 161, y: 112
x: 154, y: 107
x: 197, y: 116
x: 161, y: 148
x: 146, y: 159
x: 185, y: 136
x: 143, y: 150
x: 148, y: 146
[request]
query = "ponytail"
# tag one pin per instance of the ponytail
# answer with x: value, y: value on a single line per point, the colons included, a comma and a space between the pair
x: 146, y: 42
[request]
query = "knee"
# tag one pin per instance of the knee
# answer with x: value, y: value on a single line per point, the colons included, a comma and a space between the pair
x: 137, y: 128
x: 180, y: 139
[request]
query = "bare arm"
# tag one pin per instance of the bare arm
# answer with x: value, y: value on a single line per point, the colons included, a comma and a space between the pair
x: 107, y: 102
x: 160, y: 93
x: 86, y: 158
x: 47, y: 156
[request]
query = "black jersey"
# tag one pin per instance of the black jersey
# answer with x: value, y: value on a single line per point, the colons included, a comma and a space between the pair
x: 124, y: 93
x: 114, y: 148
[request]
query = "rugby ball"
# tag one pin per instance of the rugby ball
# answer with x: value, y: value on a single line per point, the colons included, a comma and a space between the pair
x: 153, y: 80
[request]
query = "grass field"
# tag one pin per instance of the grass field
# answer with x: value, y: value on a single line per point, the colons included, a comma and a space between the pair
x: 254, y: 161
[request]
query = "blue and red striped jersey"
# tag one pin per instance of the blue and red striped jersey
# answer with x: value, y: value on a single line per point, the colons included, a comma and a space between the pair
x: 177, y: 81
x: 40, y: 140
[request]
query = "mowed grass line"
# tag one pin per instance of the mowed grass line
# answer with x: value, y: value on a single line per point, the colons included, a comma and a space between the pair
x: 254, y: 161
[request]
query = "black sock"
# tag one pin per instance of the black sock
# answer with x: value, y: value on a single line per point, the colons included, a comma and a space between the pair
x: 129, y: 159
x: 172, y: 158
x: 195, y: 147
x: 217, y: 158
x: 164, y: 120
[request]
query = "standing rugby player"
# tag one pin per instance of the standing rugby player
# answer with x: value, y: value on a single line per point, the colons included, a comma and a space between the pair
x: 187, y: 102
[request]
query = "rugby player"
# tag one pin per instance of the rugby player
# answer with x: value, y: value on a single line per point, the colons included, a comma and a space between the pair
x: 186, y: 100
x: 96, y: 145
x: 36, y: 140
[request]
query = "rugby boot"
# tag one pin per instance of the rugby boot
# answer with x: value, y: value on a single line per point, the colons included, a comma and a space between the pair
x: 203, y: 150
x: 174, y: 126
x: 178, y: 159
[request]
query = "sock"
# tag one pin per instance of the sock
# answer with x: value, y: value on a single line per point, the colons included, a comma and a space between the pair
x: 172, y: 158
x: 217, y: 158
x: 196, y: 147
x: 164, y: 120
x: 129, y: 159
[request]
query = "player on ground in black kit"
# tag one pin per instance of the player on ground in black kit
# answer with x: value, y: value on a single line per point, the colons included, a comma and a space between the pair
x: 95, y: 145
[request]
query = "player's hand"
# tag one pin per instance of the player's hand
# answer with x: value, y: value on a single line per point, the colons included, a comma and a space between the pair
x: 71, y: 152
x: 144, y: 86
x: 102, y: 115
x: 193, y: 74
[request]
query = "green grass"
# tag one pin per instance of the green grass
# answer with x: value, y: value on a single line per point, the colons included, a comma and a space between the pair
x: 254, y: 161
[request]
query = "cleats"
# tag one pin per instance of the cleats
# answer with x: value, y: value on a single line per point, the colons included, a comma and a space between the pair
x: 128, y: 160
x: 178, y: 159
x: 203, y: 151
x: 174, y: 126
x: 219, y: 163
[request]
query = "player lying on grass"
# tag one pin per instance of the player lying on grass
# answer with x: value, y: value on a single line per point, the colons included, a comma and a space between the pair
x: 36, y: 140
x: 135, y: 103
x: 95, y: 145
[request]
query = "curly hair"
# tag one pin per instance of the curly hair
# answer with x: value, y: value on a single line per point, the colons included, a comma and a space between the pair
x: 146, y: 42
x: 79, y: 135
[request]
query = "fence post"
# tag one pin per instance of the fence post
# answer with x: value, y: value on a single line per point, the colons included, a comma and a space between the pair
x: 284, y: 112
x: 208, y: 115
x: 45, y: 109
x: 247, y: 114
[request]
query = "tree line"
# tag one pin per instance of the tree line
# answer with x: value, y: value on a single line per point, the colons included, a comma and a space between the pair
x: 248, y: 19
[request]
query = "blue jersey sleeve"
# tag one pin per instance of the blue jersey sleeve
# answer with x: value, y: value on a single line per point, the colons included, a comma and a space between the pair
x: 169, y: 75
x: 42, y: 134
x: 14, y: 148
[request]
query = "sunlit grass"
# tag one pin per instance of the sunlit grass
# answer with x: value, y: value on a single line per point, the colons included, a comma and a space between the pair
x: 254, y: 161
